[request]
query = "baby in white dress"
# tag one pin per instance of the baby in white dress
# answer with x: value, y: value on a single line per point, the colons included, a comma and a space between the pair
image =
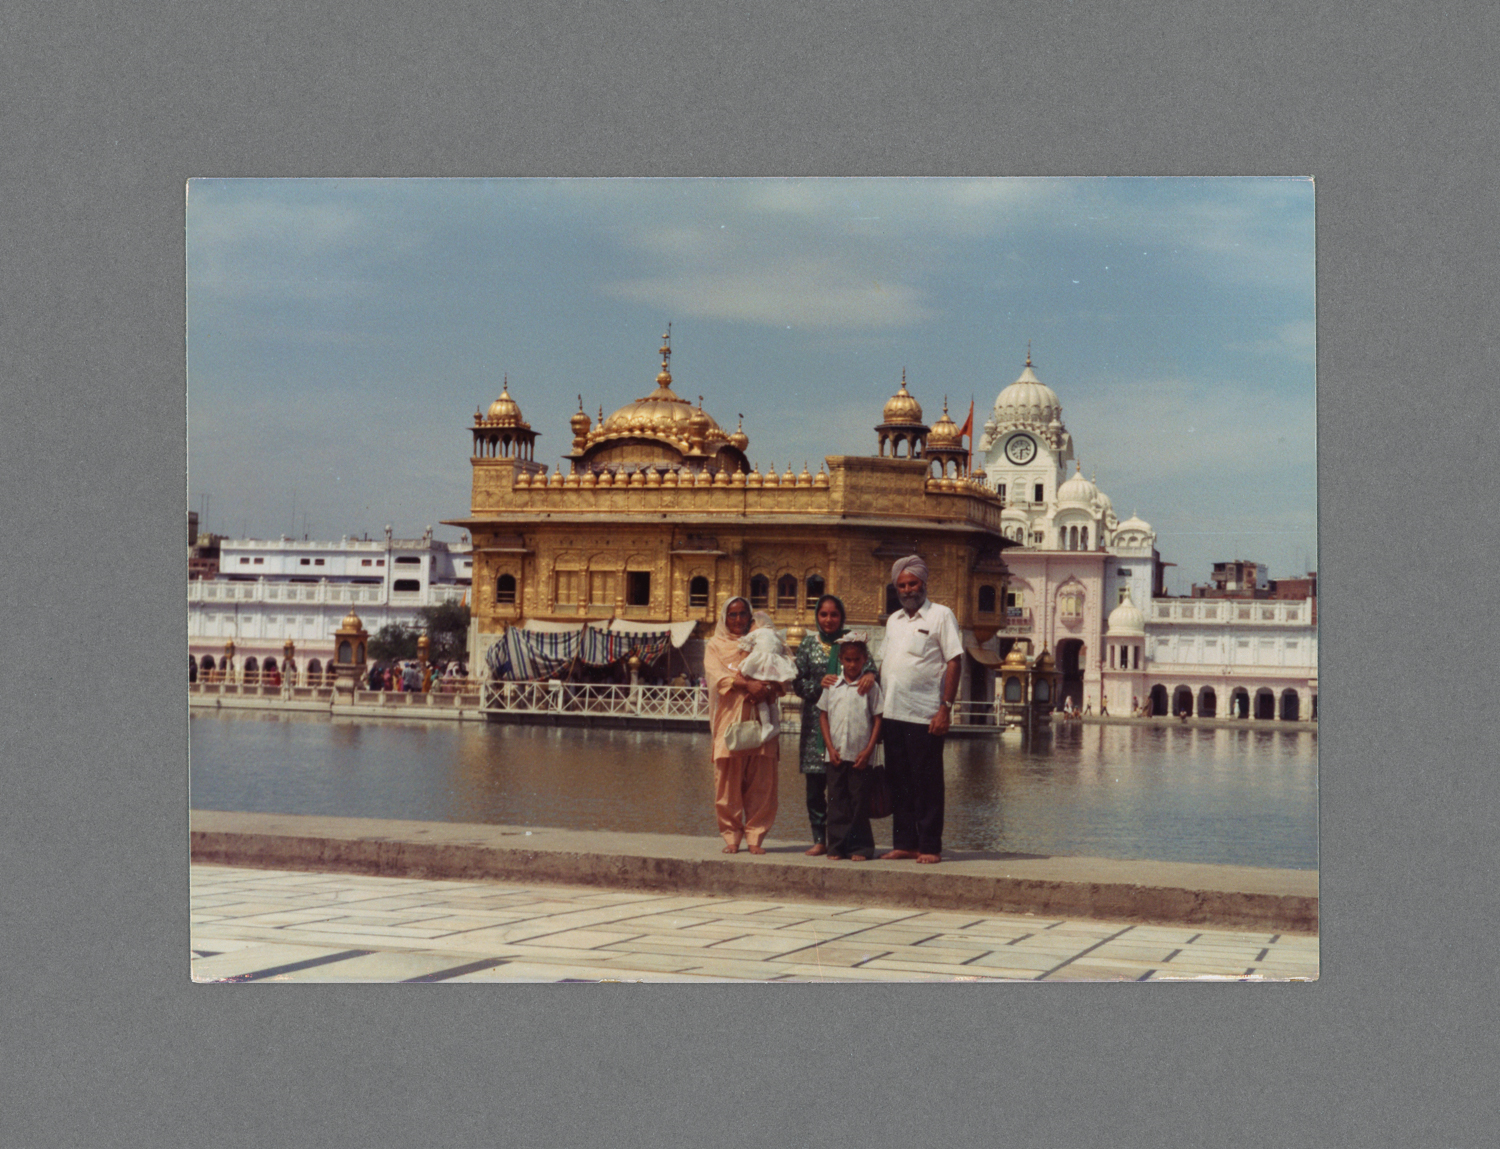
x: 767, y: 661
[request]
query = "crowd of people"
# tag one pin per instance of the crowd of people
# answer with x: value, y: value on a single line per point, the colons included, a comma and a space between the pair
x: 902, y: 708
x: 412, y: 677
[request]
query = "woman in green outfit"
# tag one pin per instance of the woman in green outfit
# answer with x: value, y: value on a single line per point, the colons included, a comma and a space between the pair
x: 817, y: 667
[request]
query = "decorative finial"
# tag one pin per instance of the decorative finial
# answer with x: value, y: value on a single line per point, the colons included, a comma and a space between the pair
x: 700, y: 402
x: 1028, y: 353
x: 580, y: 403
x: 601, y: 414
x: 945, y: 404
x: 741, y: 427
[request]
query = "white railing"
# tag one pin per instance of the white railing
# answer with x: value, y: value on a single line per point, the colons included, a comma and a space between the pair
x: 605, y: 701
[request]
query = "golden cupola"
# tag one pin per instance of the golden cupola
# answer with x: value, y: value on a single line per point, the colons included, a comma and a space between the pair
x: 505, y: 411
x: 944, y: 432
x: 660, y: 431
x: 901, y: 407
x: 501, y: 433
x: 901, y: 424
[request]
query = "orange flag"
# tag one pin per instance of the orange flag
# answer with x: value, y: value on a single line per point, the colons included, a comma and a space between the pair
x: 968, y: 430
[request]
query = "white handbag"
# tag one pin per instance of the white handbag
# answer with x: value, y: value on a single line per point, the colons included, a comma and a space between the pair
x: 744, y: 736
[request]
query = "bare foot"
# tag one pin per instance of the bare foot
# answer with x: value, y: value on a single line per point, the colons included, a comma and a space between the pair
x: 858, y: 858
x: 734, y: 849
x: 929, y: 859
x: 816, y: 850
x: 898, y: 856
x: 835, y: 857
x: 757, y: 849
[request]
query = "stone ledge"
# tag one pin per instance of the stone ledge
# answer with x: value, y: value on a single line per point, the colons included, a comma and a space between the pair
x: 1240, y: 897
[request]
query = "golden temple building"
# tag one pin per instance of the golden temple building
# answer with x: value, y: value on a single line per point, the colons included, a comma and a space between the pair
x: 662, y: 516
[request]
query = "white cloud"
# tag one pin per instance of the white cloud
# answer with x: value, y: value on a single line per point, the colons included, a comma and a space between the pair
x: 802, y: 293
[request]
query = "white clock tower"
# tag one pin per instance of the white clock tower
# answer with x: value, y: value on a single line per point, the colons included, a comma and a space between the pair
x: 1026, y: 453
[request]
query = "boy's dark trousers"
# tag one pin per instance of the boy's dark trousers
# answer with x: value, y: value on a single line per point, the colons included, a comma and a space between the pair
x: 914, y: 769
x: 849, y: 811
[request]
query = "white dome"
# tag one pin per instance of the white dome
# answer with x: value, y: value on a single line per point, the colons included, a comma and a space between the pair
x: 1028, y: 400
x: 1078, y: 491
x: 1135, y: 523
x: 1126, y: 619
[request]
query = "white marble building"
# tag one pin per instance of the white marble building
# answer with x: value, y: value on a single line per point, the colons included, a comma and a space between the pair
x: 271, y: 590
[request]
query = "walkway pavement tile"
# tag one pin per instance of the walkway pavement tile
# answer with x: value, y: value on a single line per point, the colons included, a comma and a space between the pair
x: 744, y: 906
x: 943, y: 920
x: 220, y: 945
x: 588, y: 939
x: 378, y: 967
x: 761, y: 944
x: 663, y: 944
x: 836, y: 954
x: 740, y: 970
x: 523, y: 972
x: 1013, y: 957
x: 811, y: 972
x: 252, y: 959
x: 931, y: 954
x: 902, y: 965
x: 1103, y: 969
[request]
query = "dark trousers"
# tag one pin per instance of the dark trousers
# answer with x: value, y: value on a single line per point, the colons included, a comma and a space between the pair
x: 914, y: 769
x: 817, y: 805
x: 849, y: 811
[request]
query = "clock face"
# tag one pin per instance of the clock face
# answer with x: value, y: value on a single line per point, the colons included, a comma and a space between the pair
x: 1021, y: 449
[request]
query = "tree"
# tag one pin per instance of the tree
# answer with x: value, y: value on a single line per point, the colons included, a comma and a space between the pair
x: 447, y: 626
x: 393, y: 641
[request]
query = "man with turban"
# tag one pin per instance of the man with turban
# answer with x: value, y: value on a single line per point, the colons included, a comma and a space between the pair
x: 920, y: 665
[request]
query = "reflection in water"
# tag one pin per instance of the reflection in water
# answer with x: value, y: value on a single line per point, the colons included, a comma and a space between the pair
x: 1247, y: 797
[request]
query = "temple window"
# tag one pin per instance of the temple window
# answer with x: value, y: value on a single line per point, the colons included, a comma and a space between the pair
x: 760, y: 591
x: 505, y: 589
x: 786, y: 592
x: 986, y: 599
x: 816, y: 589
x: 698, y: 591
x: 638, y: 588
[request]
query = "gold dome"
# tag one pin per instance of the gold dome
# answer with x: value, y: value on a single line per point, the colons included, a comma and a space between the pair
x: 944, y: 432
x: 505, y: 411
x: 352, y: 622
x: 901, y: 407
x: 663, y: 416
x: 739, y: 440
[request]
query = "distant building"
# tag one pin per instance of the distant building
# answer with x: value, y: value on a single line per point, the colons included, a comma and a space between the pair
x: 268, y: 591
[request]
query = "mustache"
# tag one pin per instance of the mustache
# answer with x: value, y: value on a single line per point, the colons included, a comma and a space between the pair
x: 912, y: 601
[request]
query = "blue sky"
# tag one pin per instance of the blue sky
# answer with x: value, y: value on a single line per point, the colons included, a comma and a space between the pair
x: 342, y: 332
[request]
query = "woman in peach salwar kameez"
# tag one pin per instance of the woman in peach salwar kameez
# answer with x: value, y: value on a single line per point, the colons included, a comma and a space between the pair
x: 744, y: 782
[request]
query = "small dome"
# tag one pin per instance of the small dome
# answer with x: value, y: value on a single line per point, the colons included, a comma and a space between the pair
x: 944, y: 432
x: 505, y: 411
x: 739, y: 440
x: 1126, y: 619
x: 1135, y: 523
x: 901, y: 407
x: 1077, y: 491
x: 352, y: 621
x: 1028, y: 400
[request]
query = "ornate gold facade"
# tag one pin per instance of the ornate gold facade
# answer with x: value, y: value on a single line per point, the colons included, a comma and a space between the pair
x: 663, y: 517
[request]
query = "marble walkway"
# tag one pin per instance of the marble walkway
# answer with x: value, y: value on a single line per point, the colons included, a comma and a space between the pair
x: 253, y: 925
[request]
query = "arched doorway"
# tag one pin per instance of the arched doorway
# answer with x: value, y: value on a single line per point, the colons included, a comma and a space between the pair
x: 1289, y: 706
x: 252, y: 671
x: 1208, y: 703
x: 206, y: 668
x: 1159, y: 700
x: 1239, y: 703
x: 1265, y: 703
x: 1182, y: 701
x: 1070, y: 670
x: 192, y: 669
x: 314, y: 673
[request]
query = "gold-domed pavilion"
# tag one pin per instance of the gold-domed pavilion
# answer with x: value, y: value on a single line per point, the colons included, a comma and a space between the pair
x: 658, y: 432
x: 501, y: 433
x: 659, y: 516
x: 901, y: 424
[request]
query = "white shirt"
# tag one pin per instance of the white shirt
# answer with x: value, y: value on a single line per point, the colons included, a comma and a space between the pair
x: 850, y: 716
x: 916, y: 653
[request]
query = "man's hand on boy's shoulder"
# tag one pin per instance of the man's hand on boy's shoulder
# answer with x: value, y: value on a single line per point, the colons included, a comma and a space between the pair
x: 866, y: 681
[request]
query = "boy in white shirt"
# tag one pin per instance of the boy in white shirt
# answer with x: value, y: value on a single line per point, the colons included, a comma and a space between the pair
x: 850, y: 722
